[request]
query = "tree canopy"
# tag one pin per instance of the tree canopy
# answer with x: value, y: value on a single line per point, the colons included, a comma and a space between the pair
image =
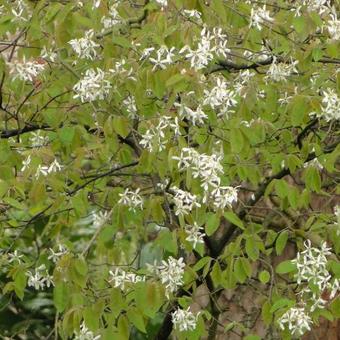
x: 169, y: 168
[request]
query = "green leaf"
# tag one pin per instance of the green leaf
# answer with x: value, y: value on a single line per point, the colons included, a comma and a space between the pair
x: 285, y: 267
x: 136, y: 318
x: 212, y: 223
x: 61, y: 295
x: 264, y: 276
x: 281, y: 242
x: 335, y: 307
x: 66, y: 135
x: 234, y: 219
x: 280, y: 304
x: 240, y: 274
x: 121, y: 126
x: 252, y: 249
x: 236, y: 140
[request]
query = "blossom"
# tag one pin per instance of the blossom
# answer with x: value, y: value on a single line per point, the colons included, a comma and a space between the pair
x: 163, y: 3
x: 164, y: 58
x: 14, y: 257
x: 55, y: 255
x: 26, y: 163
x: 196, y: 117
x: 85, y: 333
x: 37, y: 140
x: 194, y: 234
x: 171, y: 273
x: 93, y: 86
x: 330, y: 105
x: 54, y: 167
x: 333, y: 27
x: 40, y: 278
x: 259, y: 16
x: 130, y: 105
x: 184, y: 201
x: 224, y: 196
x: 100, y: 218
x: 132, y: 199
x: 26, y: 70
x: 314, y: 163
x: 297, y: 320
x: 85, y: 47
x: 41, y: 170
x: 192, y: 13
x: 49, y: 55
x: 279, y: 71
x: 113, y: 19
x: 184, y: 320
x: 120, y: 277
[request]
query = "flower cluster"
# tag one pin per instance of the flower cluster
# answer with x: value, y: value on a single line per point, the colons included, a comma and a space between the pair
x: 297, y: 320
x: 85, y: 47
x: 130, y: 106
x: 259, y: 17
x: 40, y: 278
x: 211, y: 43
x: 45, y: 170
x: 196, y: 117
x: 333, y: 27
x: 330, y: 105
x: 279, y: 71
x: 85, y: 334
x: 171, y: 274
x: 14, y: 257
x: 100, y: 218
x: 154, y: 138
x: 56, y: 255
x: 112, y: 19
x: 37, y: 140
x: 164, y: 58
x: 220, y: 98
x: 132, y: 199
x: 93, y: 86
x: 26, y: 70
x: 194, y: 234
x: 184, y: 320
x: 314, y: 277
x: 184, y: 201
x: 120, y: 278
x: 121, y: 71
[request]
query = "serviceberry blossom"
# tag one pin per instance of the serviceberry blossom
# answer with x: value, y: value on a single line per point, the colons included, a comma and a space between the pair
x: 20, y: 10
x: 314, y: 163
x: 184, y: 320
x: 171, y: 273
x: 26, y: 70
x: 184, y: 201
x: 163, y: 3
x: 221, y: 98
x: 26, y: 163
x: 330, y: 105
x: 85, y: 47
x: 192, y: 13
x: 279, y: 71
x: 37, y: 140
x: 113, y: 19
x: 259, y: 16
x: 320, y: 6
x: 223, y: 196
x: 14, y: 257
x: 333, y: 27
x: 41, y: 170
x: 40, y: 278
x: 120, y: 278
x: 94, y: 86
x: 56, y: 255
x: 48, y: 55
x: 132, y: 199
x: 84, y: 333
x: 121, y: 71
x: 100, y: 218
x: 54, y: 167
x: 164, y: 58
x: 297, y: 321
x: 194, y: 234
x: 196, y: 117
x: 130, y: 106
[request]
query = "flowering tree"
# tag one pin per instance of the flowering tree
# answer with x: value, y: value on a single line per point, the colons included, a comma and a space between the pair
x: 169, y: 168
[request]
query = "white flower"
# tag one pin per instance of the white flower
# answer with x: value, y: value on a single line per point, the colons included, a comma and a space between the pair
x: 41, y: 170
x: 195, y: 117
x: 37, y: 140
x: 314, y: 163
x: 40, y: 278
x: 120, y: 278
x: 184, y: 320
x: 279, y: 71
x: 194, y: 233
x: 85, y: 333
x: 184, y: 201
x: 132, y: 199
x: 20, y: 10
x: 333, y: 27
x: 320, y: 6
x: 85, y: 47
x: 94, y: 86
x: 130, y: 105
x: 55, y: 255
x: 164, y: 58
x: 223, y: 196
x: 96, y: 4
x: 100, y: 218
x: 113, y: 19
x: 192, y: 13
x: 330, y: 105
x: 14, y: 257
x: 259, y: 16
x: 54, y: 167
x: 163, y: 3
x: 26, y: 70
x: 26, y: 163
x: 49, y: 55
x: 171, y: 274
x: 297, y: 320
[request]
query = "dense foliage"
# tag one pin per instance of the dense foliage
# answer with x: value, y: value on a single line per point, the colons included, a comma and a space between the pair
x: 162, y: 161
